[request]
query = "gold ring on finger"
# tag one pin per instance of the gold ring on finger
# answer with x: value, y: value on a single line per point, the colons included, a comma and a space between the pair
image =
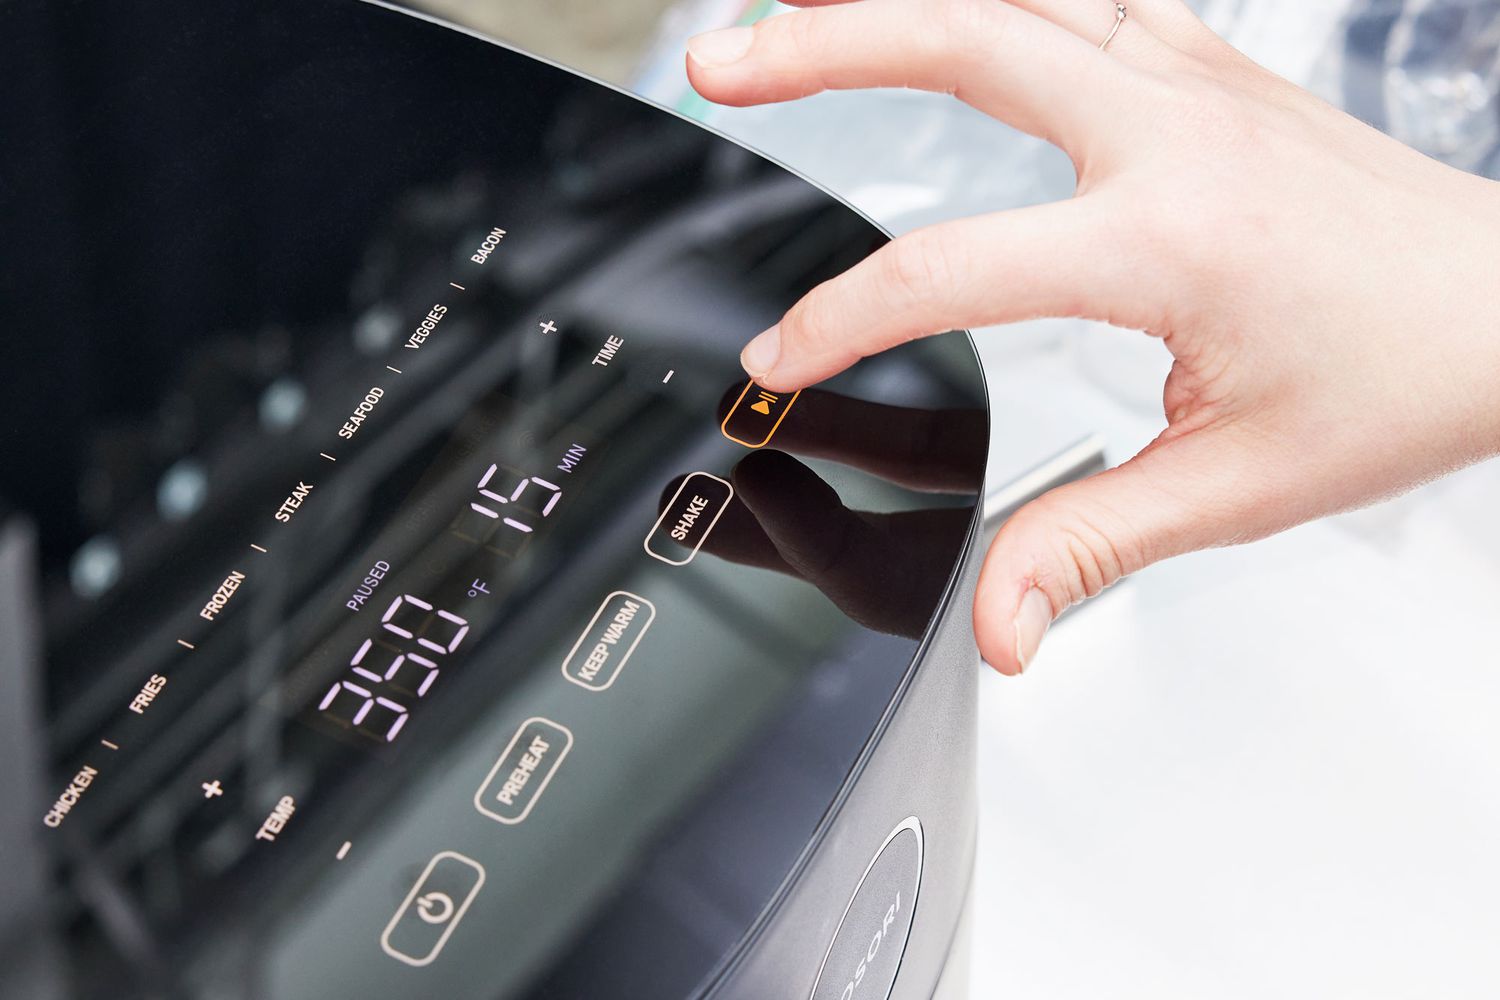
x: 1115, y: 28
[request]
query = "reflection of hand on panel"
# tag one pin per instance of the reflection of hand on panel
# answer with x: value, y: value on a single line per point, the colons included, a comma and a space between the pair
x: 878, y: 568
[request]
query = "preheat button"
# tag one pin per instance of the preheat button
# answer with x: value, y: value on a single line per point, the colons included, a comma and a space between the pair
x: 429, y: 913
x: 755, y: 416
x: 521, y: 774
x: 688, y: 518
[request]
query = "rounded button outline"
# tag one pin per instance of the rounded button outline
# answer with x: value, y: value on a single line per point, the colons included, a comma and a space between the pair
x: 624, y: 657
x: 541, y: 786
x: 668, y: 509
x: 915, y: 826
x: 458, y: 913
x: 724, y: 424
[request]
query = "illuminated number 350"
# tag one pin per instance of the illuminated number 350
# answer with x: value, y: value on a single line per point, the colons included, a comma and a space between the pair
x: 383, y: 667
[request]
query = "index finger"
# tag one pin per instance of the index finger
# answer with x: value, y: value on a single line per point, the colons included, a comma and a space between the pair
x: 1068, y: 258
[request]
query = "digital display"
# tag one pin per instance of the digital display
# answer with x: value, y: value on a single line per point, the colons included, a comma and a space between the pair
x: 404, y: 593
x: 419, y: 632
x: 496, y: 516
x: 391, y: 674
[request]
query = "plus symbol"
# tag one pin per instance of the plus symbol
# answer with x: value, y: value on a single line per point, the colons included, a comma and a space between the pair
x: 211, y: 789
x: 548, y: 327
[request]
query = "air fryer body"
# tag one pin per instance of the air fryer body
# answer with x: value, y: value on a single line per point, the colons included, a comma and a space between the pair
x: 404, y: 592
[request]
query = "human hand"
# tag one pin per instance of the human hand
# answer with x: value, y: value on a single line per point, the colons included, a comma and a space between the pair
x: 784, y: 517
x: 1331, y: 298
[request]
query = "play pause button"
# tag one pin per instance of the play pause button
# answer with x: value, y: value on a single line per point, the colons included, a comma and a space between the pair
x: 755, y: 416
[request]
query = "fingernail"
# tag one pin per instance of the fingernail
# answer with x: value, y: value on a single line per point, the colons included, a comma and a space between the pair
x: 713, y: 49
x: 762, y: 353
x: 1032, y: 619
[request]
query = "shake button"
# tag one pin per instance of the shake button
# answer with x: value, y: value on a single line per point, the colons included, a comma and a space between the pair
x: 688, y: 518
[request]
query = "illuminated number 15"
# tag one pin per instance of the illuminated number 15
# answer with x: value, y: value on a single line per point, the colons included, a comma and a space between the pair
x: 515, y: 495
x: 494, y: 508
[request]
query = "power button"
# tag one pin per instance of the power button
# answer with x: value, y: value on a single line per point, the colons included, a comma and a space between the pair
x: 432, y: 909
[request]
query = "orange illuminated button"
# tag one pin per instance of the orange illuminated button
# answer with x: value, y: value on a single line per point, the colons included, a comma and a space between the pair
x: 755, y: 416
x: 688, y: 518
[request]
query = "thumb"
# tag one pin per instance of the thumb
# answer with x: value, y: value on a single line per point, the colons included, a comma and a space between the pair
x: 1180, y: 494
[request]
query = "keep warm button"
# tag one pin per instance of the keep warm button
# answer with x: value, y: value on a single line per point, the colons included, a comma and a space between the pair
x: 608, y: 640
x: 521, y: 774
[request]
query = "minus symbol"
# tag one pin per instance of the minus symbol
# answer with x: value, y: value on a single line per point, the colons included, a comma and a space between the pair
x: 456, y: 285
x: 327, y: 456
x: 668, y: 376
x: 343, y: 850
x: 258, y: 548
x: 184, y: 643
x: 107, y: 743
x: 396, y: 370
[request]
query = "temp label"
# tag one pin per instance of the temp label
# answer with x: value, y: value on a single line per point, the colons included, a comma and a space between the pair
x: 280, y: 816
x: 608, y: 640
x: 523, y: 771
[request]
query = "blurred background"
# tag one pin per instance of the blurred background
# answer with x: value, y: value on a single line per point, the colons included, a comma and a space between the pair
x: 604, y: 40
x: 1425, y: 70
x: 1262, y: 771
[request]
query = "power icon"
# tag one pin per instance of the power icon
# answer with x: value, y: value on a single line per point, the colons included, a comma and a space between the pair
x: 435, y: 907
x: 432, y: 909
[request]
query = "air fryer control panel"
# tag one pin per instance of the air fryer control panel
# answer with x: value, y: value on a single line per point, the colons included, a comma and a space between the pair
x: 405, y: 592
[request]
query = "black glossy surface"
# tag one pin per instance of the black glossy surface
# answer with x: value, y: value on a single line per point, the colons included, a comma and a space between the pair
x: 223, y: 223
